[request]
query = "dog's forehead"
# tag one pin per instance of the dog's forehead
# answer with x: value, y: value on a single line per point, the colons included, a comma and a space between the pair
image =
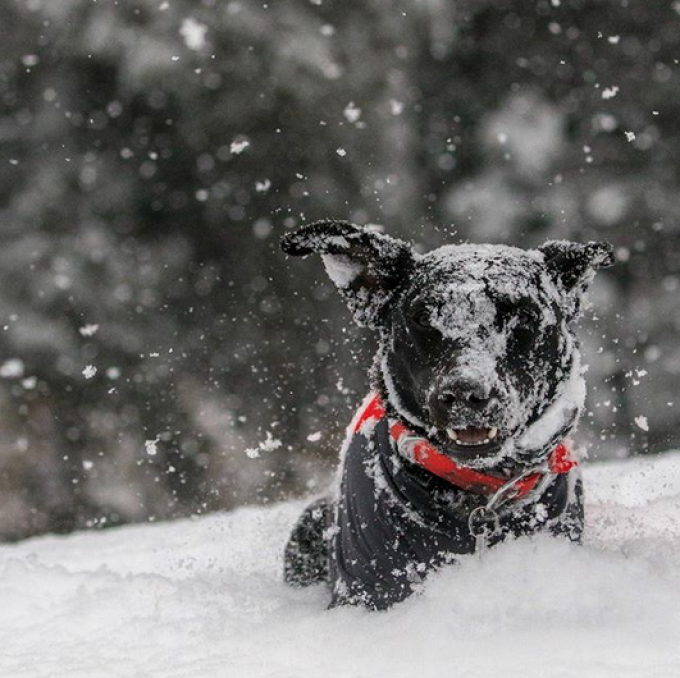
x: 464, y: 269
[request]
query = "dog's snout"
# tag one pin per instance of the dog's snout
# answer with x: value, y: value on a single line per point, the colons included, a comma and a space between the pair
x: 472, y: 393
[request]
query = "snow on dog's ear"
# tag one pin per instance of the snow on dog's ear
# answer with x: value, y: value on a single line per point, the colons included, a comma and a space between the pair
x: 366, y: 266
x: 573, y: 265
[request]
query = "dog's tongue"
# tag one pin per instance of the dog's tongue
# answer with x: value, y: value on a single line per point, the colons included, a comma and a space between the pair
x: 472, y: 435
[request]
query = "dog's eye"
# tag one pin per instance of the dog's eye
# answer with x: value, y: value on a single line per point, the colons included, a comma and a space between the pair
x: 526, y: 319
x: 422, y: 319
x: 525, y: 330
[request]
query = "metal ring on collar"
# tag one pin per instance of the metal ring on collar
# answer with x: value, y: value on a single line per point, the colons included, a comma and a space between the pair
x: 481, y: 519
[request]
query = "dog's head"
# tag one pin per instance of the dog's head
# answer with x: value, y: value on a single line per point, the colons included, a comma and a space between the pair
x: 477, y: 349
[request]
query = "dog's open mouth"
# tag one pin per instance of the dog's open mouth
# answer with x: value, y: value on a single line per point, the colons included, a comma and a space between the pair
x: 472, y: 436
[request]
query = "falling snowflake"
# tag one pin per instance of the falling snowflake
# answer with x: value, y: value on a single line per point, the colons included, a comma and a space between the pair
x: 29, y: 383
x: 237, y: 147
x: 641, y: 422
x: 268, y: 445
x: 610, y: 92
x: 341, y: 152
x: 630, y: 136
x: 88, y: 330
x: 12, y: 368
x: 193, y: 33
x: 89, y: 371
x: 352, y: 113
x: 151, y: 446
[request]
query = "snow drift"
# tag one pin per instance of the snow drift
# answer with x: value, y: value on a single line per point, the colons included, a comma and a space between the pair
x: 205, y: 598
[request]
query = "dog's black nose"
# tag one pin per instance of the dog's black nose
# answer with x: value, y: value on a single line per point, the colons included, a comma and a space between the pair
x: 472, y: 393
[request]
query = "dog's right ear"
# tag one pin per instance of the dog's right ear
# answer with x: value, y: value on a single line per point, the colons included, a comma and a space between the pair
x: 366, y: 266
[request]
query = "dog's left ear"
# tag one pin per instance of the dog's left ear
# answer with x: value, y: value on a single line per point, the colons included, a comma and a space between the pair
x: 573, y: 265
x: 366, y: 266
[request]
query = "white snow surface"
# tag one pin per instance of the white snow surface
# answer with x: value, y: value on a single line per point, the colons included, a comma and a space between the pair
x: 205, y: 598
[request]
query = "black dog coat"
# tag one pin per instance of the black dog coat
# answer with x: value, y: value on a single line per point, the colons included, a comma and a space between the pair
x: 395, y: 521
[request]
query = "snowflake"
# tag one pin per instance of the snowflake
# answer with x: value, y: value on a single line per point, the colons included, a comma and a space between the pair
x: 239, y: 146
x: 88, y: 330
x: 151, y: 446
x: 268, y: 445
x: 14, y: 367
x: 352, y: 113
x: 89, y: 371
x: 193, y: 33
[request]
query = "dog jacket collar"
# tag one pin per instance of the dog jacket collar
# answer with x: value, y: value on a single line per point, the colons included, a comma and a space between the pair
x: 422, y: 452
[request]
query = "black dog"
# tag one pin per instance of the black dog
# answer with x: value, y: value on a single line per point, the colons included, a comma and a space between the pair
x: 477, y: 383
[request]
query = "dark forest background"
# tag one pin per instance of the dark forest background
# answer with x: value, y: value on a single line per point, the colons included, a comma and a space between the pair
x: 159, y: 356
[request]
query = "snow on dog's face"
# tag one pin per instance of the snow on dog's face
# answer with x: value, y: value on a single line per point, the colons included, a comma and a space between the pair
x: 476, y: 350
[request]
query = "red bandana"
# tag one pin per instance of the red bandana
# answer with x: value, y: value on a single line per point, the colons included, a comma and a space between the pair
x: 431, y: 459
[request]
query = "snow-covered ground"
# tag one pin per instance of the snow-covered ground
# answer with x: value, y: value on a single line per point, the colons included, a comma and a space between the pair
x: 205, y: 598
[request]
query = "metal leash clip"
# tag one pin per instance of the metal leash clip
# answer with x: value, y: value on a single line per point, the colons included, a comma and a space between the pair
x: 484, y: 521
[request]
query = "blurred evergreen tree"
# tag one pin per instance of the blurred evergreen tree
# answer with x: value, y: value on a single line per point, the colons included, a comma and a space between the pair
x: 154, y: 152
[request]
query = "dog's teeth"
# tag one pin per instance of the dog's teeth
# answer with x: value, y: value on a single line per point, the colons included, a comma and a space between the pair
x: 491, y: 435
